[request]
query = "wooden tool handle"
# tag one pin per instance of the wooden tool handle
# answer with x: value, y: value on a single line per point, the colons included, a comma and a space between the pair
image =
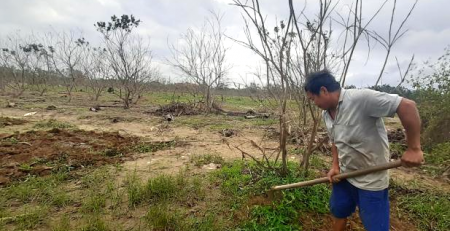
x: 394, y: 164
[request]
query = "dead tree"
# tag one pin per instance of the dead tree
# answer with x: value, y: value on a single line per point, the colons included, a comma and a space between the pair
x: 201, y: 56
x: 129, y: 57
x: 67, y: 49
x: 96, y: 70
x: 301, y: 45
x: 40, y: 66
x: 14, y: 57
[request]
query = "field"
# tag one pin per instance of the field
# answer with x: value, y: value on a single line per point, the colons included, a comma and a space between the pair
x: 65, y: 167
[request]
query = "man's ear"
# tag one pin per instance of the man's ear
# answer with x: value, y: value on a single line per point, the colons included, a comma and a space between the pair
x: 323, y: 90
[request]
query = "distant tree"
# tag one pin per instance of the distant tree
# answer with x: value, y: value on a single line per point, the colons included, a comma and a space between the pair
x: 350, y: 87
x: 432, y: 93
x: 67, y: 54
x: 201, y: 56
x: 14, y: 57
x: 96, y: 70
x: 400, y: 90
x: 129, y: 57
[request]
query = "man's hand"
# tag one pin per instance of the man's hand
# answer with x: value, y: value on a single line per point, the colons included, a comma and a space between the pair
x: 333, y: 171
x: 412, y: 158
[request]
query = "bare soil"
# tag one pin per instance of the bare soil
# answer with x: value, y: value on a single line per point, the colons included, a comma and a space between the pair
x: 41, y: 152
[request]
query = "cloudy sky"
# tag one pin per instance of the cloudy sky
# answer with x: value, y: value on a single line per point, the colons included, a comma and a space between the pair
x: 164, y: 20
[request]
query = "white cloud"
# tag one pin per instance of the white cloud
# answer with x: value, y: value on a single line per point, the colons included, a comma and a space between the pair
x: 162, y: 19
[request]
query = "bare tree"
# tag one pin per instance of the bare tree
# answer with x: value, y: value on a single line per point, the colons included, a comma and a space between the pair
x: 201, y: 56
x: 392, y: 38
x: 301, y: 45
x: 15, y: 57
x: 66, y: 58
x: 128, y: 56
x: 95, y: 69
x: 40, y: 66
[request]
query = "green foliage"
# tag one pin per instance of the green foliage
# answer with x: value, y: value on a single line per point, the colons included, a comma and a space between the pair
x: 402, y: 91
x: 242, y: 181
x: 52, y: 124
x: 25, y: 167
x: 432, y: 85
x: 437, y: 159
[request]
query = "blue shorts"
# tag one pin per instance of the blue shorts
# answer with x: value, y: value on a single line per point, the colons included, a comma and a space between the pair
x: 373, y: 205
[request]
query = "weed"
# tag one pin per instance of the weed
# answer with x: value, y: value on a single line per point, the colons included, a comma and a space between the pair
x: 95, y: 223
x: 155, y: 146
x: 160, y: 188
x: 430, y: 211
x: 53, y: 124
x: 134, y: 189
x: 111, y: 152
x: 32, y: 218
x: 159, y: 217
x: 60, y: 198
x: 63, y: 224
x: 200, y: 160
x: 94, y: 203
x: 11, y: 140
x: 25, y: 167
x: 40, y: 189
x: 242, y: 180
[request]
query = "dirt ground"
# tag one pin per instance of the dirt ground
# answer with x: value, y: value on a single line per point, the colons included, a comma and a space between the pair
x: 107, y: 137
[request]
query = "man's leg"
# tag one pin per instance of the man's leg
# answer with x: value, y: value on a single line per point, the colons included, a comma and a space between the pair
x: 342, y: 204
x: 374, y: 209
x: 339, y: 224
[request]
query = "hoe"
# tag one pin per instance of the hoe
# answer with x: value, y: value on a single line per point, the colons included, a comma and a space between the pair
x: 341, y: 176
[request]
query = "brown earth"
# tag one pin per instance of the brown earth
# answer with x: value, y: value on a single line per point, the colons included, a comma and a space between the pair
x: 41, y: 152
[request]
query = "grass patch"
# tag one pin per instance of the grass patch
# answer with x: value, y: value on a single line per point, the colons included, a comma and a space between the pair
x: 429, y: 210
x: 30, y: 217
x: 160, y: 217
x: 94, y: 223
x: 155, y: 189
x: 437, y: 159
x: 200, y: 160
x: 63, y: 224
x: 53, y: 124
x: 154, y: 146
x: 35, y: 189
x: 7, y: 121
x: 243, y: 181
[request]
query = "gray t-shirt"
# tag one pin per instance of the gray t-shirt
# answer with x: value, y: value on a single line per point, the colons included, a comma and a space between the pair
x: 360, y: 136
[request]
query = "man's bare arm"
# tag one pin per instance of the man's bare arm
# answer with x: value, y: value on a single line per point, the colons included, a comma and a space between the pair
x: 409, y: 116
x: 335, y: 165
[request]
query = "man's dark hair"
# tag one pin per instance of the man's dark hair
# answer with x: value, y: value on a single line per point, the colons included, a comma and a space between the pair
x: 316, y: 80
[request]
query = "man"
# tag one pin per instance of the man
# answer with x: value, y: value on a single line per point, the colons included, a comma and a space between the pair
x: 354, y: 122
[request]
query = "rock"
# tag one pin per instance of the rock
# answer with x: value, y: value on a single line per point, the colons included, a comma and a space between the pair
x: 30, y: 114
x: 9, y: 104
x: 168, y: 117
x: 228, y: 132
x: 51, y: 107
x: 211, y: 166
x: 4, y: 180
